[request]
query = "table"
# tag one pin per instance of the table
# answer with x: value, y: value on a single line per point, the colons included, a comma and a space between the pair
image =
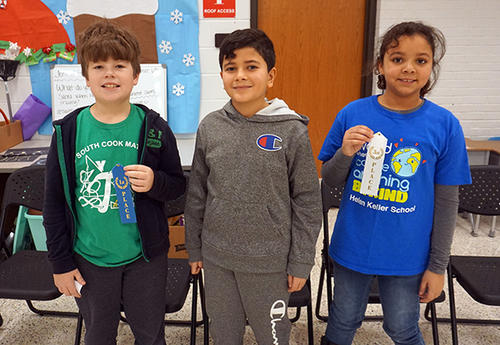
x: 483, y: 145
x: 487, y: 147
x: 41, y: 141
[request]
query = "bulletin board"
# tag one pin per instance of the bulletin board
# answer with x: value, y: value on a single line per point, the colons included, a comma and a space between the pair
x: 69, y: 90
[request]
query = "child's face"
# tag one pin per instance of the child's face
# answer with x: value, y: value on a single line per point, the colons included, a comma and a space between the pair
x: 246, y: 78
x: 407, y: 67
x: 111, y: 81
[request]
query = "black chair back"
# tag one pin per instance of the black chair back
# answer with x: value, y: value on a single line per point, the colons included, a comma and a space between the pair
x: 24, y: 187
x: 176, y: 207
x: 331, y: 196
x: 482, y: 196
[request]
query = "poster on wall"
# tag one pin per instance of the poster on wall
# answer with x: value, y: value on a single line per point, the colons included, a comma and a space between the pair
x: 167, y: 32
x: 219, y: 8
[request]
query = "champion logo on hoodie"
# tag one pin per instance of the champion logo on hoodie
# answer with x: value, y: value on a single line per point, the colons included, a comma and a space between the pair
x: 269, y: 142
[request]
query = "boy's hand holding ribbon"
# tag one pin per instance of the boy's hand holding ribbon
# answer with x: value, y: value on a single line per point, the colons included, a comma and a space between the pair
x: 141, y: 177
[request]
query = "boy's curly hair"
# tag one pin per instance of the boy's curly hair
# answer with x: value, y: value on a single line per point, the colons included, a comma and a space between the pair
x: 253, y: 38
x: 104, y: 40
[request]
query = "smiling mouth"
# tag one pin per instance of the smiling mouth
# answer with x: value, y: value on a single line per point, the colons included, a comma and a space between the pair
x: 110, y: 86
x: 407, y: 80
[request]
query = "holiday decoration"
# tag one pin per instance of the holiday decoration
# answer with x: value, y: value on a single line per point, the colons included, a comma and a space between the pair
x: 21, y: 36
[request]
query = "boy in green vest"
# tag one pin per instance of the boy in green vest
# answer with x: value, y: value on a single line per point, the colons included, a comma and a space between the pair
x: 92, y: 238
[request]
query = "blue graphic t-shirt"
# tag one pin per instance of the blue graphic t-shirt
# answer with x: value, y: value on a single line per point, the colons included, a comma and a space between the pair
x: 390, y: 234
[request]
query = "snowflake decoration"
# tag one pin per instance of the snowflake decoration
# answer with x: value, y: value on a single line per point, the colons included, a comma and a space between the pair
x: 188, y: 60
x: 27, y: 51
x: 176, y: 16
x: 178, y: 89
x: 165, y: 47
x: 63, y: 17
x: 13, y: 51
x: 13, y: 46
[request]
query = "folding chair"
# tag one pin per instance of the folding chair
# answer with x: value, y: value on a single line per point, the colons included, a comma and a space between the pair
x: 26, y: 274
x: 331, y: 197
x: 179, y: 278
x: 477, y: 197
x: 478, y: 275
x: 301, y: 299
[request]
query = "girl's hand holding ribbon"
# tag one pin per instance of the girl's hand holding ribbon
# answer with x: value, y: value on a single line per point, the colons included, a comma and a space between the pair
x: 354, y: 138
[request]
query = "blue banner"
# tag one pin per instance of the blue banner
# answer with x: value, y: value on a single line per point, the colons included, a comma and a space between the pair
x: 177, y: 30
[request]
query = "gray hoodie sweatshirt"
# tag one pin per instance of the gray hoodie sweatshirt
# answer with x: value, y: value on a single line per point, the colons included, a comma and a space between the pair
x: 253, y: 202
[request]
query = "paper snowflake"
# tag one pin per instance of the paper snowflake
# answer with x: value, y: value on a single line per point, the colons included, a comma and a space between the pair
x: 13, y: 46
x: 188, y: 60
x: 165, y: 47
x: 27, y: 51
x: 176, y: 16
x: 13, y: 51
x: 178, y: 89
x: 63, y: 17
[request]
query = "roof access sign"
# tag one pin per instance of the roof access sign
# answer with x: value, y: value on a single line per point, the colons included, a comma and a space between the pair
x: 219, y: 8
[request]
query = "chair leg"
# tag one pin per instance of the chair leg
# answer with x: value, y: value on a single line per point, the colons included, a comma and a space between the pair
x: 310, y: 330
x: 453, y: 316
x: 320, y: 293
x: 493, y: 225
x: 78, y: 332
x: 475, y: 224
x: 435, y: 332
x: 194, y: 307
x: 297, y: 315
x: 329, y: 284
x: 325, y: 273
x: 203, y: 311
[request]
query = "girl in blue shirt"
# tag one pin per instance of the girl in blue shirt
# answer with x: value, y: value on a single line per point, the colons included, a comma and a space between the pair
x: 401, y: 236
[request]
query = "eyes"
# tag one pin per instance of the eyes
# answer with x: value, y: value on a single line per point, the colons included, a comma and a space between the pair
x: 118, y: 66
x: 230, y: 69
x: 399, y: 60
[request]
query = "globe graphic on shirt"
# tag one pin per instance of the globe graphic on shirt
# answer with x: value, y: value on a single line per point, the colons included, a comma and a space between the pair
x: 406, y: 161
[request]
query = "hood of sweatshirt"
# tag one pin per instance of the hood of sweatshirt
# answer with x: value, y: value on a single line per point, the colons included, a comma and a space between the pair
x: 276, y: 111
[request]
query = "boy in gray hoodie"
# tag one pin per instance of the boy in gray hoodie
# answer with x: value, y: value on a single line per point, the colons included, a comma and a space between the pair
x: 253, y: 210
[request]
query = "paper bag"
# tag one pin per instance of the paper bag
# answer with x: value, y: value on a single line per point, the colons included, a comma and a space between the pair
x: 177, y: 242
x: 11, y: 133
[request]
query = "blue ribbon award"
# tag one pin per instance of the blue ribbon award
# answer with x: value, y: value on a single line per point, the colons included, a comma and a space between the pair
x: 123, y: 195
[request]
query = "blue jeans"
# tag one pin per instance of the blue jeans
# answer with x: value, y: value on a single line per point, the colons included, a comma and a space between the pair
x: 400, y: 304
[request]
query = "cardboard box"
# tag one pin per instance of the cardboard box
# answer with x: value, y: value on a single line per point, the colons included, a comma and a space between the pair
x: 177, y: 242
x: 10, y: 135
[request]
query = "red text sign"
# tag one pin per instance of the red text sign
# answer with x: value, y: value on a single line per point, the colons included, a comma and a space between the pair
x: 219, y: 8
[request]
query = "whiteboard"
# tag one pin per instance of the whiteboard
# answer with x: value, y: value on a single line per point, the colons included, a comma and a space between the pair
x: 69, y: 90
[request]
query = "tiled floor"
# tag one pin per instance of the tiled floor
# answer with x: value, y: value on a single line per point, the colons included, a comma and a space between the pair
x: 21, y: 327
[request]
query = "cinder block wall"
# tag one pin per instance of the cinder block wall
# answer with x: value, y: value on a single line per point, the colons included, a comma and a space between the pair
x: 469, y: 83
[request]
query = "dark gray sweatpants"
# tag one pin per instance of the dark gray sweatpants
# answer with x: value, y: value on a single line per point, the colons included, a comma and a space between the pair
x: 139, y: 286
x: 234, y: 297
